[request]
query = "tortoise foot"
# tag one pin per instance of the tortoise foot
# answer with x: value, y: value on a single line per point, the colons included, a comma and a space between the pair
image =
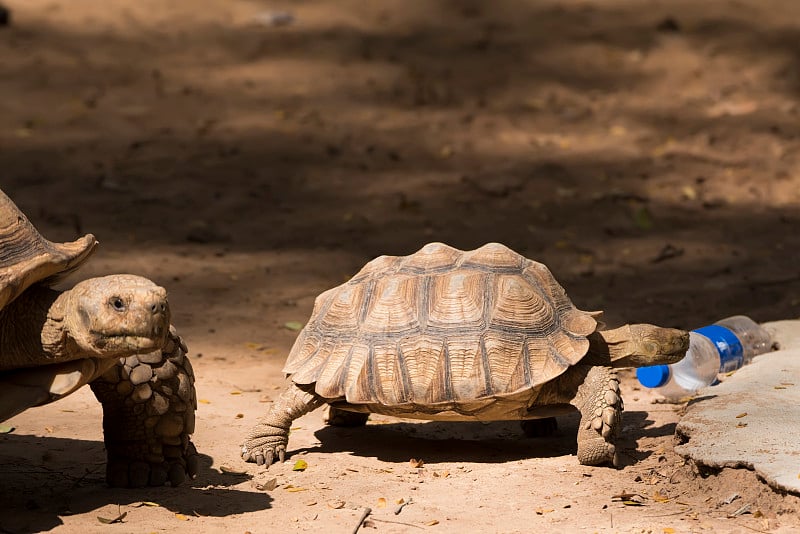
x: 264, y: 449
x: 148, y: 415
x: 339, y: 417
x: 600, y: 404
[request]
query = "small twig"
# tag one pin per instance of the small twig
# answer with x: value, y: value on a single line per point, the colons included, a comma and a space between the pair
x: 399, y: 507
x: 364, y: 515
x: 373, y: 518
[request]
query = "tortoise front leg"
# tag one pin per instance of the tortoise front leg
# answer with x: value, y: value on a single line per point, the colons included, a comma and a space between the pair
x: 599, y: 401
x: 149, y: 402
x: 268, y: 439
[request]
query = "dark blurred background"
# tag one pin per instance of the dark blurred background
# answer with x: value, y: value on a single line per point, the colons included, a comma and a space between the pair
x: 248, y: 155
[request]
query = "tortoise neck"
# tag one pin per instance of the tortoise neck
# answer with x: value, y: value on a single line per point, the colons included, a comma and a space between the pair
x: 32, y: 329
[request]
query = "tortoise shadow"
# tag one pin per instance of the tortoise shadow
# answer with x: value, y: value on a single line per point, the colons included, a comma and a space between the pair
x: 466, y: 441
x: 447, y: 441
x: 48, y: 477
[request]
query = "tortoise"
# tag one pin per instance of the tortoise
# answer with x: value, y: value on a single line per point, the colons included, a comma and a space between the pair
x: 111, y: 332
x: 445, y: 334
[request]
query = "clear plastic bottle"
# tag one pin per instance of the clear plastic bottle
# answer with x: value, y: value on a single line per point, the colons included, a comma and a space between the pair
x: 721, y: 347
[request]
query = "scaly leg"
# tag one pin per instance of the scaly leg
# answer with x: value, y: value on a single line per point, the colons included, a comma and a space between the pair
x: 268, y: 439
x: 148, y: 415
x: 600, y: 404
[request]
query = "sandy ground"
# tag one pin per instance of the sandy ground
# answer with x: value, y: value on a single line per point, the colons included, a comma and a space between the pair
x: 647, y: 151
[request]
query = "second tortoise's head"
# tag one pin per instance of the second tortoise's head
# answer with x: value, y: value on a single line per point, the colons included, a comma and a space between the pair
x: 115, y: 315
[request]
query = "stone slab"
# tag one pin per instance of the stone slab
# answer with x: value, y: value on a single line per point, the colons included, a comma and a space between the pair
x: 752, y: 419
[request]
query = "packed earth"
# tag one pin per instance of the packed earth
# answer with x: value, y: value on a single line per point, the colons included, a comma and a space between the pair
x: 248, y: 155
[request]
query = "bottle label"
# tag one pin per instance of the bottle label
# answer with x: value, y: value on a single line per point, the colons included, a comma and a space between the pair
x: 731, y: 352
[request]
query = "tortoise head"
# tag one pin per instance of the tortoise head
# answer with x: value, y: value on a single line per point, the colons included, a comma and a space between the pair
x: 116, y: 315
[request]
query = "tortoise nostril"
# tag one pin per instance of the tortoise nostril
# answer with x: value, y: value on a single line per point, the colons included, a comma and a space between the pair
x: 158, y: 307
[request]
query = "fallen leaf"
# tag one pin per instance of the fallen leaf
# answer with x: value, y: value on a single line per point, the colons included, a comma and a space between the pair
x: 232, y: 470
x: 689, y: 192
x: 658, y: 496
x: 146, y: 503
x: 542, y: 511
x: 49, y: 429
x: 402, y: 500
x: 381, y: 503
x: 269, y: 485
x: 300, y: 465
x: 295, y: 489
x: 629, y: 499
x: 236, y: 392
x: 5, y: 429
x: 181, y: 517
x: 336, y: 504
x: 117, y: 519
x: 431, y: 523
x: 239, y: 415
x: 743, y: 414
x: 293, y: 325
x: 669, y: 530
x: 204, y: 401
x: 642, y: 218
x: 416, y: 463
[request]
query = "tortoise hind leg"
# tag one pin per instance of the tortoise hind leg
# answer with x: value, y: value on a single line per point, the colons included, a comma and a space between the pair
x: 148, y: 415
x: 268, y: 439
x: 600, y: 404
x: 345, y: 418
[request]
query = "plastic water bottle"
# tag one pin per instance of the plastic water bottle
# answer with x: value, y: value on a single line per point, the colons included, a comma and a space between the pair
x: 718, y: 348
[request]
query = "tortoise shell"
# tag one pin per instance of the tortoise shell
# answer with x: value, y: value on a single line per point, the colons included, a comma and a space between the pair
x: 26, y: 257
x: 441, y: 326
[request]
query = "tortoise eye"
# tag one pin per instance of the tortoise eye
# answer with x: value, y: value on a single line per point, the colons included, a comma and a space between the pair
x: 117, y: 303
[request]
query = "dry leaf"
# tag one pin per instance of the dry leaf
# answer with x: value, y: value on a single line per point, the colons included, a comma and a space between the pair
x: 336, y: 504
x: 743, y: 414
x: 431, y: 523
x: 669, y: 530
x: 203, y: 401
x: 542, y: 511
x: 294, y: 489
x: 117, y: 519
x: 381, y: 503
x: 300, y: 465
x: 416, y: 463
x: 629, y: 499
x: 269, y: 485
x: 5, y: 429
x: 239, y: 415
x: 236, y: 392
x: 231, y: 470
x: 293, y: 326
x: 402, y: 500
x: 181, y: 517
x: 658, y: 496
x: 146, y: 503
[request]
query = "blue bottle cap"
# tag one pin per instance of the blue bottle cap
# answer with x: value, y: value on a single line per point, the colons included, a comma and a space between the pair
x: 653, y: 376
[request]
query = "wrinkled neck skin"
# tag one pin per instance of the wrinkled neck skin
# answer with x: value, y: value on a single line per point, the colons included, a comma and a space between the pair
x: 32, y: 329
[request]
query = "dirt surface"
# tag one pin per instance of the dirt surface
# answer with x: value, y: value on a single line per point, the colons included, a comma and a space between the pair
x: 646, y: 151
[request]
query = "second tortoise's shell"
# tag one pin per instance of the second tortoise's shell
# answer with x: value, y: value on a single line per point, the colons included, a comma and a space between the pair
x: 440, y: 327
